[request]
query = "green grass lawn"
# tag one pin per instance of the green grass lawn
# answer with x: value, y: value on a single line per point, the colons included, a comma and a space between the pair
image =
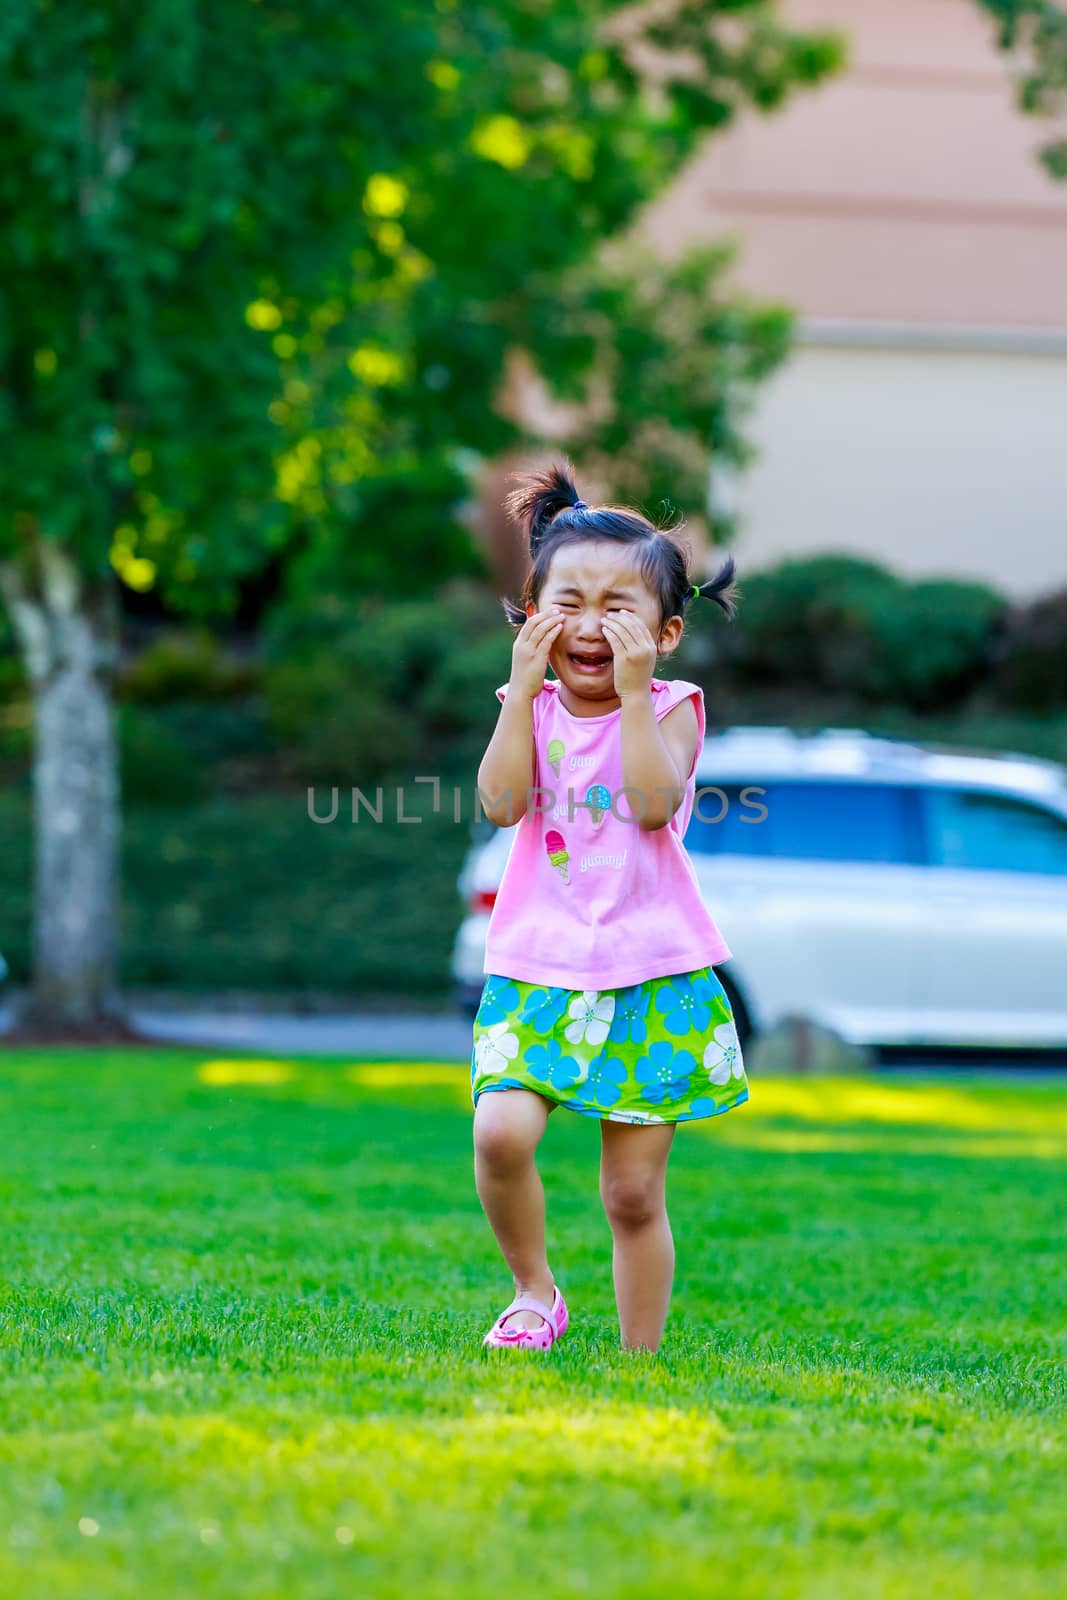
x: 241, y: 1344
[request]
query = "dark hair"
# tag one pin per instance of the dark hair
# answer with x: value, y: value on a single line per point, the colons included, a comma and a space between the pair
x: 548, y: 505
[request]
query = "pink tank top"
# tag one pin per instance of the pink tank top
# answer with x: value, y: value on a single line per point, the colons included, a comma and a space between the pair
x: 589, y: 900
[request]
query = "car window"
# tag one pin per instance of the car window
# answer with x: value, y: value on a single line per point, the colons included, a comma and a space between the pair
x: 994, y: 832
x: 807, y: 821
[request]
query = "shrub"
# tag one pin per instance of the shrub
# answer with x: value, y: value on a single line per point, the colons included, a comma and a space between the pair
x: 295, y: 631
x: 1031, y: 669
x: 460, y: 696
x: 219, y: 731
x: 362, y: 741
x: 936, y: 643
x: 807, y: 621
x: 13, y: 684
x: 337, y: 725
x: 396, y: 646
x: 838, y: 623
x: 401, y: 646
x: 157, y: 768
x: 185, y: 665
x: 16, y: 731
x: 299, y: 691
x: 402, y: 533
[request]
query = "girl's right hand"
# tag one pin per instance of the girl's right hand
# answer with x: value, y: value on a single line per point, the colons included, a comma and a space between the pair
x: 529, y: 657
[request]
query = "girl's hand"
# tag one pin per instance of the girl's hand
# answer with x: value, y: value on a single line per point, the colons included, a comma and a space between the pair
x: 529, y: 656
x: 634, y: 650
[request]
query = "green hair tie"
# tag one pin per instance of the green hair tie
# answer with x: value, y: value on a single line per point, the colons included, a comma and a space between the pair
x: 696, y: 591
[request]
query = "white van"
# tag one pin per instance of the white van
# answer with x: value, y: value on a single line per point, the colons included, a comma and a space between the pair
x: 897, y: 893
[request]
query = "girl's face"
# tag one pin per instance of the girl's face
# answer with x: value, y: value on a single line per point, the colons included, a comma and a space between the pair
x: 590, y: 581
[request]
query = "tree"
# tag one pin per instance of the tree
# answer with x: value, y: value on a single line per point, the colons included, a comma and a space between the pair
x: 263, y: 266
x: 1037, y: 30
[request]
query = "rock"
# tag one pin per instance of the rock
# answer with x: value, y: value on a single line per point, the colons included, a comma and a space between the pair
x: 798, y: 1047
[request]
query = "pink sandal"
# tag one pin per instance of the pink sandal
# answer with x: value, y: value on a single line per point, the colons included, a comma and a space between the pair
x: 555, y: 1323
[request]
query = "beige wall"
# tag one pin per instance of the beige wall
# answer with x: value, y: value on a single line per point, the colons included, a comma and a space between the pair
x: 935, y: 462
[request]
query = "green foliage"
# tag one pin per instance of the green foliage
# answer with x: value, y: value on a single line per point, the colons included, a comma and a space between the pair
x: 400, y: 647
x: 398, y: 644
x: 460, y: 696
x: 935, y: 643
x: 252, y: 894
x: 156, y: 766
x: 404, y: 538
x: 185, y: 664
x: 801, y: 619
x: 16, y: 731
x: 336, y: 724
x: 678, y: 360
x: 12, y: 678
x: 839, y: 623
x: 1036, y: 30
x: 1032, y: 669
x: 221, y: 732
x: 266, y: 264
x: 242, y: 1312
x: 980, y: 725
x: 358, y: 692
x: 302, y: 628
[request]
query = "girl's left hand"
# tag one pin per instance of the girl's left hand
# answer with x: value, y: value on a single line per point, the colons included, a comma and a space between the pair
x: 634, y: 650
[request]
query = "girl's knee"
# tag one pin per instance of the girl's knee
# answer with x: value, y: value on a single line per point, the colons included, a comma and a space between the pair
x: 505, y: 1135
x: 633, y: 1199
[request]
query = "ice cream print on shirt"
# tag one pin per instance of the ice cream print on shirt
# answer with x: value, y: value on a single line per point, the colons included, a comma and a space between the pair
x: 593, y: 799
x: 558, y: 854
x: 597, y: 804
x: 598, y: 799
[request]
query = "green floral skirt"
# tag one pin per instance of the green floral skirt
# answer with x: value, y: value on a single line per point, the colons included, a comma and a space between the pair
x: 661, y: 1051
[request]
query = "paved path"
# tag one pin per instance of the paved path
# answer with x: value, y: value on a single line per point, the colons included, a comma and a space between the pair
x: 444, y: 1036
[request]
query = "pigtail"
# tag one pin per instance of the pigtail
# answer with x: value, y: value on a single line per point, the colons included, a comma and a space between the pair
x: 539, y: 499
x: 722, y: 588
x: 515, y: 614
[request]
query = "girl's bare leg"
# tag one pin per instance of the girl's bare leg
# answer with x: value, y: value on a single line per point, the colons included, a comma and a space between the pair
x: 633, y: 1171
x: 508, y: 1125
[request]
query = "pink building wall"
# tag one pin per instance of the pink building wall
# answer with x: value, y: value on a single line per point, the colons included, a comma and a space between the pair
x: 901, y: 209
x: 907, y: 190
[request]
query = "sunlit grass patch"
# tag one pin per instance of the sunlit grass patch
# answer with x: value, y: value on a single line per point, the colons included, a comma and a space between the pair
x: 807, y: 1141
x: 408, y: 1074
x: 223, y: 1074
x: 1027, y: 1108
x: 340, y: 1081
x: 857, y: 1116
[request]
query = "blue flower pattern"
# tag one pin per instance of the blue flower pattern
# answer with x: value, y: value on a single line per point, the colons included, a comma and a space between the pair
x: 664, y: 1070
x: 606, y: 1077
x: 631, y: 1013
x: 548, y: 1064
x: 686, y: 1003
x: 647, y: 1070
x: 544, y: 1007
x: 500, y: 997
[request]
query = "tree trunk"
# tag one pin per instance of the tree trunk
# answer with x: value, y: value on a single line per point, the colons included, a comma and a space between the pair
x: 67, y: 628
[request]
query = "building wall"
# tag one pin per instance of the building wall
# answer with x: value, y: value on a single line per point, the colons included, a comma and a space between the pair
x: 902, y: 210
x: 936, y: 462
